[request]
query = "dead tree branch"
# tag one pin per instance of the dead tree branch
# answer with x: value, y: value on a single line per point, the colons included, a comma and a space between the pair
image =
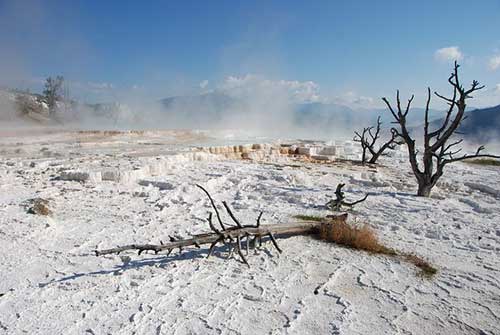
x: 339, y: 201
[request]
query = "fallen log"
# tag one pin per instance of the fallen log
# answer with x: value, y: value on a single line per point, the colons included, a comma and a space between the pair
x: 232, y: 236
x: 287, y: 229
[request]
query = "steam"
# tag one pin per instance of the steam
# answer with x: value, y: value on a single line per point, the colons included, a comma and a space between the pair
x: 251, y: 103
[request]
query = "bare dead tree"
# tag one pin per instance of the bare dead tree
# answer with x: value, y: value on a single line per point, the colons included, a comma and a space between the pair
x: 235, y: 237
x: 53, y: 92
x: 368, y: 140
x: 439, y: 149
x: 339, y: 201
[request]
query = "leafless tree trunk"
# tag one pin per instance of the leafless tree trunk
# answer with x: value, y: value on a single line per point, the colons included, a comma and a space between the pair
x: 361, y: 138
x: 368, y: 141
x: 439, y: 148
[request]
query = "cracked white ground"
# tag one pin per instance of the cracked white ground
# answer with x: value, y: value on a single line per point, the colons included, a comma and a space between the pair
x: 50, y: 283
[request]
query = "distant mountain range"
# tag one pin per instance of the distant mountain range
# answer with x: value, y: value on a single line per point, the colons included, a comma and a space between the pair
x: 481, y: 125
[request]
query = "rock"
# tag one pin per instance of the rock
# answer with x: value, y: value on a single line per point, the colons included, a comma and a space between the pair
x: 162, y: 185
x: 245, y: 148
x: 255, y: 155
x: 80, y: 176
x: 336, y: 150
x: 304, y: 151
x: 328, y: 150
x: 320, y: 157
x: 483, y: 188
x: 110, y: 175
x: 38, y: 206
x: 309, y: 150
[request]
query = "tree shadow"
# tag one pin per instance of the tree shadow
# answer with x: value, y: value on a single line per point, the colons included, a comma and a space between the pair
x: 220, y: 252
x: 133, y: 264
x: 394, y: 194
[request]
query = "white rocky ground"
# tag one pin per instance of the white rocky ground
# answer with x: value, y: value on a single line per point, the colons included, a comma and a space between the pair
x: 50, y: 282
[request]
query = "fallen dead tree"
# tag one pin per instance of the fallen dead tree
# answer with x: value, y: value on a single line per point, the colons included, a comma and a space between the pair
x: 237, y: 236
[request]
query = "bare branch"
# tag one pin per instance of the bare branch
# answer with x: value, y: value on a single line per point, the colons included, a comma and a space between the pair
x: 408, y: 105
x: 426, y: 117
x: 452, y: 105
x: 271, y: 236
x: 476, y: 155
x: 210, y: 224
x: 351, y: 204
x: 258, y: 219
x: 390, y: 108
x: 213, y: 206
x: 231, y: 214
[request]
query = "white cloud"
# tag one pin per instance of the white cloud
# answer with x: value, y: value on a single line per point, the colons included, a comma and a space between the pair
x: 90, y: 85
x: 495, y: 63
x: 99, y: 86
x: 248, y: 85
x: 292, y: 91
x: 354, y: 100
x: 203, y: 84
x: 84, y: 90
x: 497, y: 89
x: 447, y: 54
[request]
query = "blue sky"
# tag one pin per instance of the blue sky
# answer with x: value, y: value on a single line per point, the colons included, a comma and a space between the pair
x: 352, y: 51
